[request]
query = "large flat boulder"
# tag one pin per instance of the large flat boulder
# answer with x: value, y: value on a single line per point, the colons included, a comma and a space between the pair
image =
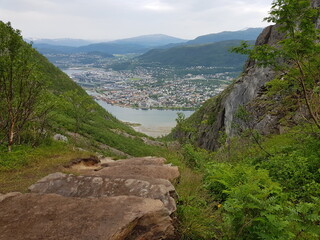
x: 130, y: 199
x: 136, y: 161
x: 167, y: 172
x: 69, y: 185
x: 52, y: 216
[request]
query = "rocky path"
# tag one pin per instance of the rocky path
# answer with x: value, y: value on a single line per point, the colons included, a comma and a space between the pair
x: 125, y: 199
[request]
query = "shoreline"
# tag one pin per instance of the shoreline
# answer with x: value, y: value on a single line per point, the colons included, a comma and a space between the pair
x: 154, y: 132
x: 154, y: 123
x: 143, y: 108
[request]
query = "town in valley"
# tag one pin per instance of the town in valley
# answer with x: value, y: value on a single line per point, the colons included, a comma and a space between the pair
x: 146, y: 87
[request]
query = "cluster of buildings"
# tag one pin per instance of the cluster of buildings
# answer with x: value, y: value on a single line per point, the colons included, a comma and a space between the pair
x: 146, y: 88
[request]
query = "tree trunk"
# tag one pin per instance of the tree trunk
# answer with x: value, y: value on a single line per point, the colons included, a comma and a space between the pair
x: 305, y: 95
x: 11, y: 136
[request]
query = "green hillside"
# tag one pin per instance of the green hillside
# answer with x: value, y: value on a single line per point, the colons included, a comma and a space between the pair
x: 100, y: 123
x: 246, y: 35
x: 99, y: 127
x: 42, y: 101
x: 213, y: 54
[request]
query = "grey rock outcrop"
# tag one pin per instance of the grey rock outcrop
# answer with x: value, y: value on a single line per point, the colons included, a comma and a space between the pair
x: 137, y: 161
x: 69, y: 185
x: 217, y: 115
x: 60, y: 137
x: 215, y: 119
x: 51, y: 216
x: 316, y: 4
x: 153, y: 171
x: 248, y: 86
x: 112, y: 200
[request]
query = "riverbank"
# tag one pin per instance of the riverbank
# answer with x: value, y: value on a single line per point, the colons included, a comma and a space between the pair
x: 153, y: 131
x: 133, y: 106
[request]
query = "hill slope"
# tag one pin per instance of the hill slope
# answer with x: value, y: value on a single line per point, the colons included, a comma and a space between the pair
x: 69, y: 42
x: 112, y: 48
x: 264, y: 134
x: 139, y: 44
x: 248, y: 34
x: 98, y: 130
x: 151, y: 40
x: 214, y: 54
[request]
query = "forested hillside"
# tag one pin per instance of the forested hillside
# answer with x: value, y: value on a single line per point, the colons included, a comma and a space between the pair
x: 212, y: 54
x: 245, y: 35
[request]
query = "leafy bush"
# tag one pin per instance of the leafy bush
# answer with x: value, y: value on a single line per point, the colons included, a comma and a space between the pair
x: 296, y: 173
x: 305, y: 219
x: 14, y: 159
x: 195, y: 158
x: 272, y: 196
x: 252, y: 204
x: 294, y: 163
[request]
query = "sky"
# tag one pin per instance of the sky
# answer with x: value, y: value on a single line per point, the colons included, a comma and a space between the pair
x: 117, y: 19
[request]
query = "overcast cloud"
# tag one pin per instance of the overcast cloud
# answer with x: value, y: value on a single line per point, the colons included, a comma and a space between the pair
x: 115, y: 19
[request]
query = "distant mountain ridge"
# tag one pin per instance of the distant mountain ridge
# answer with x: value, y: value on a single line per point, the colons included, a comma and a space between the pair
x: 138, y: 44
x: 66, y: 42
x: 247, y: 34
x: 45, y: 48
x: 211, y: 54
x: 207, y: 50
x: 151, y: 40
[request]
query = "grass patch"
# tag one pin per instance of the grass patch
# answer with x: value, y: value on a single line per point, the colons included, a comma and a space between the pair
x: 196, y: 215
x: 25, y: 165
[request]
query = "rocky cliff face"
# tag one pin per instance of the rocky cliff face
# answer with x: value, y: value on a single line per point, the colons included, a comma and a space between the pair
x: 315, y: 4
x: 215, y: 119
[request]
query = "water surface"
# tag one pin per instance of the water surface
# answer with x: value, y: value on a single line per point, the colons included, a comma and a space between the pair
x: 153, y: 122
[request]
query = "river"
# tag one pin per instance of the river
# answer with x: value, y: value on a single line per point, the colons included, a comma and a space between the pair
x: 154, y: 123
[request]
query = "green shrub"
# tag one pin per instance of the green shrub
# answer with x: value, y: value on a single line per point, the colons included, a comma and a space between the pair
x: 195, y: 157
x: 296, y: 173
x: 305, y: 219
x: 252, y: 204
x: 295, y: 163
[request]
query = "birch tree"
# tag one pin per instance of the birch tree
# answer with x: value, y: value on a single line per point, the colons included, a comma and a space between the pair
x: 20, y: 85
